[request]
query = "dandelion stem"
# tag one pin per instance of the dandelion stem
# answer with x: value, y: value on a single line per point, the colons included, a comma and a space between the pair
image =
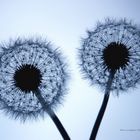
x: 103, y: 107
x: 59, y: 126
x: 53, y: 116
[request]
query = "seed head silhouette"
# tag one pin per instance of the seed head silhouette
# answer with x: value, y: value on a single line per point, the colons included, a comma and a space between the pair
x: 109, y: 57
x: 33, y: 79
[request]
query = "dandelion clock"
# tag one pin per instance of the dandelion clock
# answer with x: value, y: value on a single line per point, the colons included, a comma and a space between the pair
x: 110, y: 57
x: 32, y: 80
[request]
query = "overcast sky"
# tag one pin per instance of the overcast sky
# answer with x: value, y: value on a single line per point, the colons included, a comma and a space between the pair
x: 64, y: 22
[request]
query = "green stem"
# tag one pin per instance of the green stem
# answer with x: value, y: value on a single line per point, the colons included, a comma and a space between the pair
x: 53, y: 116
x: 103, y: 107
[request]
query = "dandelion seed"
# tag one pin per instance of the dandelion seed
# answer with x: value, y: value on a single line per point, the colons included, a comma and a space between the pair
x: 32, y: 80
x: 110, y: 58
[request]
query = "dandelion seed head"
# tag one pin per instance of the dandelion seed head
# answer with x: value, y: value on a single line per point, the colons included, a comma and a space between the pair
x: 28, y: 65
x: 112, y: 46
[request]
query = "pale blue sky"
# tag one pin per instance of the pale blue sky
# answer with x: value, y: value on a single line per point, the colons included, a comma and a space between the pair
x: 64, y: 22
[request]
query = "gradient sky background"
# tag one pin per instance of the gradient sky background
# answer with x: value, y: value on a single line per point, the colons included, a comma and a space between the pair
x: 64, y: 22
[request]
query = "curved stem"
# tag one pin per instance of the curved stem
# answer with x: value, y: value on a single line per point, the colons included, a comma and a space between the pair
x: 53, y: 116
x: 103, y: 107
x: 60, y: 126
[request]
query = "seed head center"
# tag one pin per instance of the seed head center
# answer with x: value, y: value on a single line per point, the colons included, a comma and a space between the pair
x: 116, y: 56
x: 27, y: 77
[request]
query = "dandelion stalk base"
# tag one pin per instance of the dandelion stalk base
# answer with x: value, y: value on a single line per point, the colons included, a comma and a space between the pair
x: 53, y: 116
x: 103, y: 107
